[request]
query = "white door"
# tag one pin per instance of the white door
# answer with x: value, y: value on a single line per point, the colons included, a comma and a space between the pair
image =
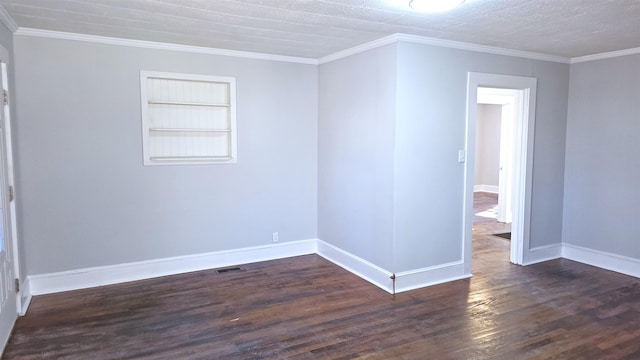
x: 9, y: 179
x: 505, y: 177
x: 8, y: 298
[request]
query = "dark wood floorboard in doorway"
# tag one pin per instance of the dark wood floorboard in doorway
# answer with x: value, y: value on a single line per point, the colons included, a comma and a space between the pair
x: 308, y: 308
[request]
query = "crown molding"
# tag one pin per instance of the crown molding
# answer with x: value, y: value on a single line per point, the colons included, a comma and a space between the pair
x: 7, y: 20
x: 480, y: 48
x: 441, y: 43
x: 161, y: 46
x: 607, y: 55
x: 359, y: 49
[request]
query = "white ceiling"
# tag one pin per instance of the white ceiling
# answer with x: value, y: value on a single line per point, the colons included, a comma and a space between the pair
x: 317, y: 28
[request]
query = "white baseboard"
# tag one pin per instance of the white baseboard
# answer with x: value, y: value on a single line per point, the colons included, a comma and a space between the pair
x: 542, y: 253
x: 419, y: 278
x: 601, y: 259
x: 405, y: 281
x: 486, y: 188
x: 113, y: 274
x: 25, y: 297
x: 357, y: 266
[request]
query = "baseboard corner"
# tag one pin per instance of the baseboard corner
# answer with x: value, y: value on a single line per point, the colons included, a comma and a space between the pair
x: 356, y: 265
x: 433, y: 275
x: 543, y: 253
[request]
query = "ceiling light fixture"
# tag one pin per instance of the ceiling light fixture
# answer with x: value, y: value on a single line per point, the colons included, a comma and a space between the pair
x: 434, y: 5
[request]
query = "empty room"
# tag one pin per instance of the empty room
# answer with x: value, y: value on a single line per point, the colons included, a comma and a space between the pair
x: 320, y: 179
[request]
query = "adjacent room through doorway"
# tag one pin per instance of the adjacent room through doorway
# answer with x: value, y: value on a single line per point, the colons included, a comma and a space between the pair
x: 493, y: 175
x: 487, y: 231
x: 493, y: 187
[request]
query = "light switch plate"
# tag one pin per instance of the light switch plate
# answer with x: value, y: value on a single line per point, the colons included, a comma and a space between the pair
x: 462, y: 156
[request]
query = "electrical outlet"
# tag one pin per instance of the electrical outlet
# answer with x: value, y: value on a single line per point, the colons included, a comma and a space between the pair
x: 275, y: 237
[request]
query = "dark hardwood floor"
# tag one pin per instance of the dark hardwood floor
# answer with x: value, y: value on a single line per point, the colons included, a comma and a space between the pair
x: 308, y: 308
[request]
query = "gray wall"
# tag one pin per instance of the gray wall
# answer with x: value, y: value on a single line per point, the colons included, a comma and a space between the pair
x: 376, y: 176
x: 355, y: 156
x: 430, y: 129
x: 427, y: 126
x: 487, y: 165
x: 89, y: 201
x: 602, y: 176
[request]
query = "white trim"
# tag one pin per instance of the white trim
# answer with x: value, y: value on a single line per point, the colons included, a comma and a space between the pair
x: 25, y: 297
x: 523, y: 161
x: 232, y: 133
x: 391, y: 39
x: 161, y: 46
x: 113, y: 274
x: 357, y: 266
x: 405, y: 281
x: 419, y: 278
x: 7, y: 20
x: 601, y: 259
x: 606, y: 55
x: 9, y: 148
x: 486, y: 188
x: 480, y: 48
x: 441, y: 43
x: 542, y: 253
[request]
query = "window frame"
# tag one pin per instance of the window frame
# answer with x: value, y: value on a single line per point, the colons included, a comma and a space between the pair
x: 145, y: 75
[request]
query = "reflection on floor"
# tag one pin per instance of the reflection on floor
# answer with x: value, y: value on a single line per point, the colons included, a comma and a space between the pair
x: 489, y: 251
x: 308, y: 308
x: 485, y: 213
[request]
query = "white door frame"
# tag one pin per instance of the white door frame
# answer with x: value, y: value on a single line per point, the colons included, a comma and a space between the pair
x: 11, y: 211
x: 523, y: 161
x: 10, y: 306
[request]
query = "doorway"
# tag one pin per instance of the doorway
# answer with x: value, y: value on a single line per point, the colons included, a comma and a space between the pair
x: 495, y: 141
x: 521, y: 94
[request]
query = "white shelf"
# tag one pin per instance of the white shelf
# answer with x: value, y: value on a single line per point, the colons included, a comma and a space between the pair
x: 195, y: 158
x: 190, y: 130
x: 188, y: 119
x: 181, y: 103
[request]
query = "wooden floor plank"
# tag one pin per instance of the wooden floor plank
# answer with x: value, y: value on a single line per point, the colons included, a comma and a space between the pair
x: 308, y: 308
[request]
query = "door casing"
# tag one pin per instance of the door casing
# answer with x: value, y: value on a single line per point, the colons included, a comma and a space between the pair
x: 523, y: 161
